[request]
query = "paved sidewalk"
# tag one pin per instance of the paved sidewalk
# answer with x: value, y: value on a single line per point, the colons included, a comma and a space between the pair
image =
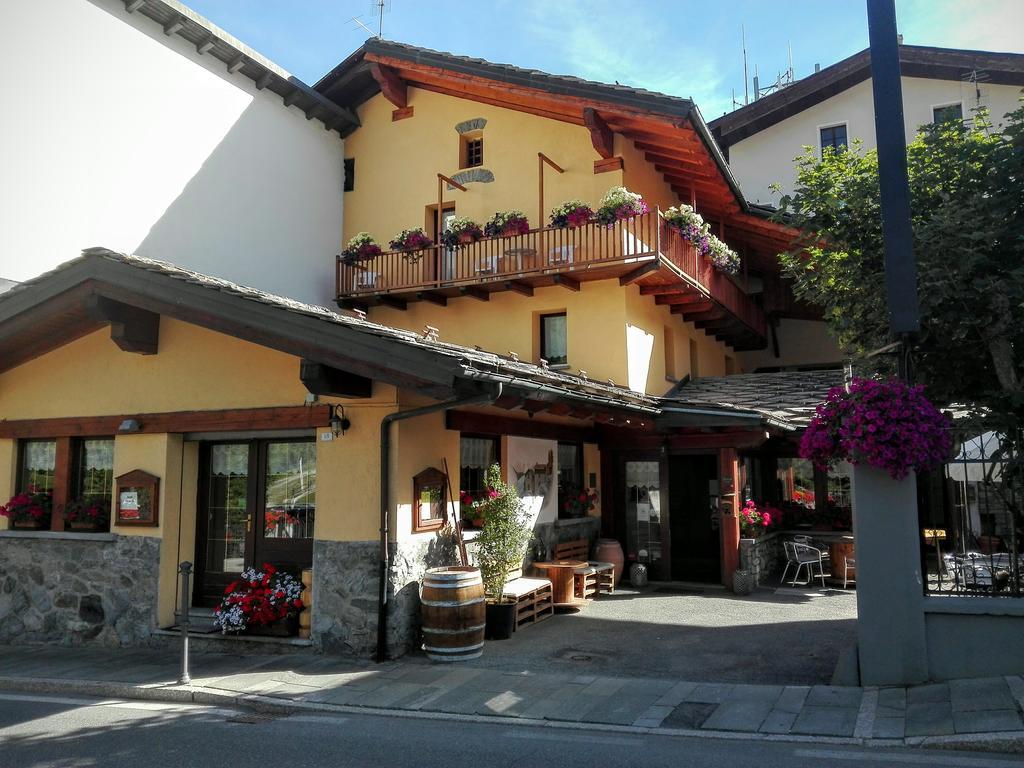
x: 867, y: 715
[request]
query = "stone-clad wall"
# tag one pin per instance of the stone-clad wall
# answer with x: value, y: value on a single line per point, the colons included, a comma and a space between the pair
x: 78, y: 588
x: 763, y: 556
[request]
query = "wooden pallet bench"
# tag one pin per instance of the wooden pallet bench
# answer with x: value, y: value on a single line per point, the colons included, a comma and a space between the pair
x: 533, y: 600
x: 593, y: 578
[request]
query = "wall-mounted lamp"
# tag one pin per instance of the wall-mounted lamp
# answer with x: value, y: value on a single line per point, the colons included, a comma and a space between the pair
x: 339, y: 422
x: 129, y: 426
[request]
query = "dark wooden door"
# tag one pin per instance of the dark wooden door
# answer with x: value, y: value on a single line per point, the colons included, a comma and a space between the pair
x: 256, y: 505
x: 696, y: 544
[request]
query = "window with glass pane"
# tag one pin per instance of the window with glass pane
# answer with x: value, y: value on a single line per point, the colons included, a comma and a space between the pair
x: 227, y: 507
x: 476, y: 455
x: 643, y: 511
x: 795, y: 482
x: 94, y: 471
x: 948, y: 113
x: 290, y: 491
x: 553, y: 346
x: 570, y: 475
x: 38, y: 465
x: 834, y: 136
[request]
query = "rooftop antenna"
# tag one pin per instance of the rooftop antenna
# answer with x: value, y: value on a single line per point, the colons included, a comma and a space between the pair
x: 746, y: 93
x: 380, y: 7
x: 790, y: 45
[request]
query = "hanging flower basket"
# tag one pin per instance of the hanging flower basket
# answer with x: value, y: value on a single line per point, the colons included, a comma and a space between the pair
x: 571, y: 214
x: 619, y: 204
x: 461, y: 231
x: 29, y: 510
x: 692, y: 227
x: 507, y: 224
x: 410, y: 240
x: 887, y: 425
x: 362, y: 247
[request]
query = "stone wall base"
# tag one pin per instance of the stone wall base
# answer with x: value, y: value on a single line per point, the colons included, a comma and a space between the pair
x: 74, y: 590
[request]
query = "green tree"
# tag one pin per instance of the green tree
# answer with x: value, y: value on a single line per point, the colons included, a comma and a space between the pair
x: 967, y: 195
x: 505, y: 537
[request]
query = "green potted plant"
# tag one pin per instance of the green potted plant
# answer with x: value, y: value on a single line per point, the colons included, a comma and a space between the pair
x: 409, y: 240
x: 500, y: 548
x: 571, y: 214
x: 619, y: 204
x: 461, y: 231
x: 362, y: 247
x: 507, y: 224
x: 29, y: 510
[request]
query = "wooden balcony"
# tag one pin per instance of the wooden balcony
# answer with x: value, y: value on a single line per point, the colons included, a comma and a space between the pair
x: 643, y: 250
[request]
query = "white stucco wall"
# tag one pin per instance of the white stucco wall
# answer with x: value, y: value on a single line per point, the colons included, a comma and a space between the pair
x: 532, y: 468
x: 767, y: 157
x: 117, y: 135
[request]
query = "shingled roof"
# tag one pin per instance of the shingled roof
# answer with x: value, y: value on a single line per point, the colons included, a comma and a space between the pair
x: 787, y: 399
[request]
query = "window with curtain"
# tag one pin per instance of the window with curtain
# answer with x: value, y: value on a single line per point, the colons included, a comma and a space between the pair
x: 476, y: 455
x: 553, y: 339
x: 38, y: 465
x: 94, y: 470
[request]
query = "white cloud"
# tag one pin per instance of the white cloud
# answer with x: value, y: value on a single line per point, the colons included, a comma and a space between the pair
x: 644, y: 52
x: 987, y: 25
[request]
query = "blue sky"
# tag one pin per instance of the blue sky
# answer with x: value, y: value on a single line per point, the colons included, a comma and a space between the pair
x: 682, y: 47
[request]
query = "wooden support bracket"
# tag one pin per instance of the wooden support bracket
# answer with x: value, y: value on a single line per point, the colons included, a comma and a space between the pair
x: 601, y: 136
x: 391, y: 85
x: 567, y: 282
x: 131, y: 329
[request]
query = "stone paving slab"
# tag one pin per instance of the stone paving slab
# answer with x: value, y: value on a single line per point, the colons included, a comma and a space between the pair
x: 929, y: 718
x: 778, y: 721
x: 889, y: 728
x: 833, y: 696
x: 739, y: 716
x: 826, y: 721
x: 986, y: 721
x: 792, y: 698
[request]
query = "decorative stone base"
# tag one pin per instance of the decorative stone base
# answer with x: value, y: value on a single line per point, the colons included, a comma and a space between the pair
x: 73, y: 589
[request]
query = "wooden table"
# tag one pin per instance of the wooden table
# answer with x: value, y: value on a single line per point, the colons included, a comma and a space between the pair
x: 560, y: 573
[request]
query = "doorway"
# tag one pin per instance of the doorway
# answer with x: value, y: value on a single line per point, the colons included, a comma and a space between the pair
x: 256, y: 505
x: 445, y: 269
x: 694, y: 519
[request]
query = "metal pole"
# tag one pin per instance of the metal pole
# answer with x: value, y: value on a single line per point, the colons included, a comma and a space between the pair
x: 894, y: 188
x: 185, y: 569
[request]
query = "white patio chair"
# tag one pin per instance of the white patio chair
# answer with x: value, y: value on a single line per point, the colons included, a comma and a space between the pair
x: 803, y: 556
x: 849, y: 564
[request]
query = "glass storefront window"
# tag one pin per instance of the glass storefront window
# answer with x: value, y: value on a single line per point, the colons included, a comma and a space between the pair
x: 795, y: 482
x: 94, y: 471
x: 290, y: 491
x: 643, y: 512
x: 38, y: 465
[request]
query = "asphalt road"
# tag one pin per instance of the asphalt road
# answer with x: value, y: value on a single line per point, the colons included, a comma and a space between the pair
x: 38, y: 731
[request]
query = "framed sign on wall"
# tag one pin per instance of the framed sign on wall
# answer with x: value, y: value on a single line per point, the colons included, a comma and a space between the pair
x: 137, y: 499
x: 428, y: 505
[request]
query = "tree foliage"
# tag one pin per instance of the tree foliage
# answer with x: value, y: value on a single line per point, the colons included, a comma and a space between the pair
x: 967, y: 194
x: 505, y: 536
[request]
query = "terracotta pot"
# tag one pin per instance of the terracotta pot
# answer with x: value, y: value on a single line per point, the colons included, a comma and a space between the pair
x: 610, y: 551
x: 466, y: 238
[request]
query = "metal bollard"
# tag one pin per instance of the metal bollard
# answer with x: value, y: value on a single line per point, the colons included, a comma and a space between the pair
x: 185, y: 569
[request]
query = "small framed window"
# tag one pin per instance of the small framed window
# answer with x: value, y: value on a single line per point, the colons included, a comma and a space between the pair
x: 428, y: 500
x: 350, y: 174
x: 833, y: 136
x: 471, y: 151
x: 554, y: 338
x: 948, y: 113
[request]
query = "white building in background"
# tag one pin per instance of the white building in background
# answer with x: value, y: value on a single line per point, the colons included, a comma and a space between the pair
x: 834, y: 106
x: 142, y: 127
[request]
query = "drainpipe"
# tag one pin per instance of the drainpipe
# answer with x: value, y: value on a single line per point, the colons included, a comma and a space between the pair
x: 385, y: 455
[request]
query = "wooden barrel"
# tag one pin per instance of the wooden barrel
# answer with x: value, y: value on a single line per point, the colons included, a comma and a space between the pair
x: 453, y: 611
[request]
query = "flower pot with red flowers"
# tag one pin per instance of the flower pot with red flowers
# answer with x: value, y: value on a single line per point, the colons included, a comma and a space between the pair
x: 461, y: 231
x: 29, y: 510
x: 755, y: 520
x: 265, y: 601
x: 362, y: 247
x: 571, y: 214
x: 410, y: 240
x: 87, y: 514
x: 619, y: 204
x: 577, y: 502
x: 474, y: 507
x: 507, y: 224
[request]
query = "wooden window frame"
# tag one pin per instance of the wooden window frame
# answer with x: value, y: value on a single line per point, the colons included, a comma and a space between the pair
x: 832, y: 127
x: 496, y: 439
x: 62, y: 475
x: 543, y: 338
x: 471, y: 150
x: 428, y: 478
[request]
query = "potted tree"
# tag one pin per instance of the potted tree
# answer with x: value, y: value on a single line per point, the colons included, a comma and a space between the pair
x: 500, y: 548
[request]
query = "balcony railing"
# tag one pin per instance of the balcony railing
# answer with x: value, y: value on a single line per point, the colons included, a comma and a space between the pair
x: 549, y: 251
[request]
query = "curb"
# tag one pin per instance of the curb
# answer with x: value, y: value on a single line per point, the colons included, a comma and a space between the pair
x: 263, y: 704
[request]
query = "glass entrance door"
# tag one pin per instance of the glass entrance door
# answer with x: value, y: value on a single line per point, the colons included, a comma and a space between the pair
x: 257, y: 504
x: 644, y: 514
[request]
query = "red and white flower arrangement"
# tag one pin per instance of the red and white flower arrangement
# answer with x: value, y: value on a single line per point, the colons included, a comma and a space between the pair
x: 571, y: 214
x: 87, y: 512
x: 889, y: 425
x: 619, y: 204
x: 507, y: 224
x: 258, y: 598
x: 362, y: 247
x: 579, y: 502
x: 474, y: 508
x: 410, y: 240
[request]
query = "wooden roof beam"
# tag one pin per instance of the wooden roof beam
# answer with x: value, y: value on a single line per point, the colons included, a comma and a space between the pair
x: 601, y: 135
x: 391, y: 85
x: 567, y: 282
